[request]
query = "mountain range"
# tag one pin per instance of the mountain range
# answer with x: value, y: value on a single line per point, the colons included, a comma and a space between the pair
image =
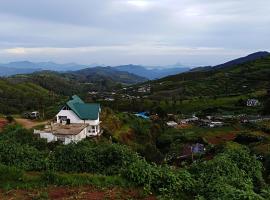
x: 151, y: 73
x: 26, y: 67
x: 124, y: 74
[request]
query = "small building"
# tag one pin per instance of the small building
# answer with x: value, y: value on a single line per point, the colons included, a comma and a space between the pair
x: 74, y: 122
x: 253, y: 103
x: 215, y: 124
x: 190, y: 149
x: 144, y: 89
x: 189, y: 120
x: 171, y: 124
x: 109, y: 99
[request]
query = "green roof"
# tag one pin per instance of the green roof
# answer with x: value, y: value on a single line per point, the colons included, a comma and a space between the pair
x: 85, y: 111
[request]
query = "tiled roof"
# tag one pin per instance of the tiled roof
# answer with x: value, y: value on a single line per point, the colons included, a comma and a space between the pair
x: 85, y: 111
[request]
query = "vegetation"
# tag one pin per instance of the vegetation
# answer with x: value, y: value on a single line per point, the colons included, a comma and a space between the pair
x: 233, y: 172
x: 134, y: 152
x: 17, y: 98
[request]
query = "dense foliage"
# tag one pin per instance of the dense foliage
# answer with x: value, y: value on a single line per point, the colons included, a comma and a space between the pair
x: 232, y: 174
x: 19, y: 97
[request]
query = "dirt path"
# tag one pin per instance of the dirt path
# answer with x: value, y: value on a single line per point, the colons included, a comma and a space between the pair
x: 3, y: 123
x: 80, y: 193
x: 27, y: 123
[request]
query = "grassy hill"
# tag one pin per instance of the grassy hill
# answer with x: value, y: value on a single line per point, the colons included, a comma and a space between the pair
x: 222, y: 90
x: 44, y: 90
x: 239, y: 79
x: 25, y: 96
x: 109, y: 74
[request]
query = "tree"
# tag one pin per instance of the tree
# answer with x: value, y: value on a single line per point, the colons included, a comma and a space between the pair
x: 161, y: 112
x: 266, y: 108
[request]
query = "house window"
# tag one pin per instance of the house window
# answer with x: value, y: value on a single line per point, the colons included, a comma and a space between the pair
x: 62, y: 118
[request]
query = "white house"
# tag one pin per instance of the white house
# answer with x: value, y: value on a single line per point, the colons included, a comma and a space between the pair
x: 253, y: 103
x: 171, y: 124
x: 74, y: 122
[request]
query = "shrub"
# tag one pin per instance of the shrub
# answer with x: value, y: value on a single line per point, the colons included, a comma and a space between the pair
x: 160, y: 179
x: 22, y: 156
x: 10, y: 173
x: 232, y: 174
x: 17, y: 134
x: 87, y: 156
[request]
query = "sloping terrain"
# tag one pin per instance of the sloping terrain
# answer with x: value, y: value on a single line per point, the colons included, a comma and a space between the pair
x: 20, y: 97
x: 239, y: 79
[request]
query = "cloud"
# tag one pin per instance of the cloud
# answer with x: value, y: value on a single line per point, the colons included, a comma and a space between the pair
x: 145, y: 31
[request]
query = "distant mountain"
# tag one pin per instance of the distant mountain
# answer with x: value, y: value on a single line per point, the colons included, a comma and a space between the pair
x: 26, y: 67
x: 96, y: 74
x: 8, y: 71
x: 248, y: 58
x: 153, y: 73
x: 43, y: 66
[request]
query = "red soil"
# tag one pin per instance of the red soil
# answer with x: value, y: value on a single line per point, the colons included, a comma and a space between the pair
x: 80, y: 193
x: 3, y: 123
x: 218, y: 139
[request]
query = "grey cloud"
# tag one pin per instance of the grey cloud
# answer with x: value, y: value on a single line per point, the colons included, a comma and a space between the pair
x: 148, y: 31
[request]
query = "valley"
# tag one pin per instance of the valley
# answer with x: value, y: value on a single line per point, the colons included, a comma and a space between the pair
x: 201, y: 134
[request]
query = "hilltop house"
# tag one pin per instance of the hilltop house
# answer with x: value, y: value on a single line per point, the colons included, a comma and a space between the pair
x: 253, y: 103
x: 74, y: 122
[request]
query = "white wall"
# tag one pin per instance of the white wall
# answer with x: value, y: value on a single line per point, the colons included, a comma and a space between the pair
x: 66, y: 138
x: 49, y: 136
x: 70, y: 115
x: 74, y: 118
x: 76, y: 138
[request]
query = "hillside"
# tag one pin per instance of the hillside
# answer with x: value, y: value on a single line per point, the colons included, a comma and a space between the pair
x: 97, y: 74
x: 39, y: 90
x: 26, y: 96
x: 239, y: 79
x: 52, y: 81
x: 232, y: 63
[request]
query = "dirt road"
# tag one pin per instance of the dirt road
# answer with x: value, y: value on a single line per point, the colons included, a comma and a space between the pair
x: 27, y: 123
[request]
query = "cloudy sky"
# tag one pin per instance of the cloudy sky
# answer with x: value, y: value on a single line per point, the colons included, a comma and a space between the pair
x: 149, y: 32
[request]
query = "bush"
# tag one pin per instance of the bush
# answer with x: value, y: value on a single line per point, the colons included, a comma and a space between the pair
x: 22, y: 156
x: 10, y: 173
x: 87, y: 156
x: 67, y: 179
x: 17, y: 134
x: 160, y: 179
x: 232, y: 174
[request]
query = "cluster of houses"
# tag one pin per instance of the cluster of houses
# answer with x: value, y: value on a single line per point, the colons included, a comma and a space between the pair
x: 208, y: 122
x: 106, y: 96
x: 76, y: 121
x: 144, y: 89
